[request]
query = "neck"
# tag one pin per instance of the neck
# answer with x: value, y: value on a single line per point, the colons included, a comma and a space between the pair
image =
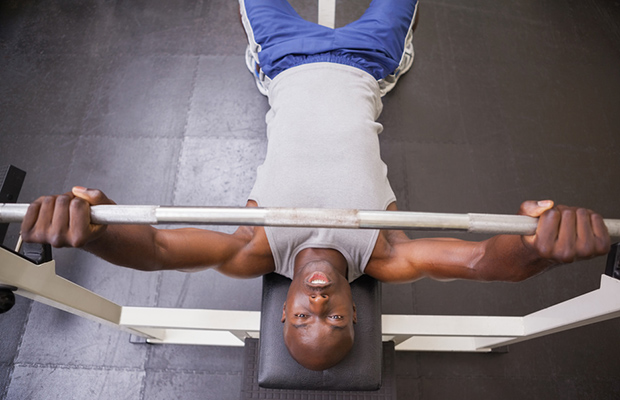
x: 331, y: 256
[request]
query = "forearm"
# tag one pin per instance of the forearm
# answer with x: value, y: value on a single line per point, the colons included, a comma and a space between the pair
x: 64, y: 221
x: 507, y: 258
x: 132, y: 246
x: 563, y: 235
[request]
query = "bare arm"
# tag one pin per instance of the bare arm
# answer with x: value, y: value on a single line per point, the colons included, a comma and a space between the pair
x: 149, y: 249
x: 564, y: 235
x: 64, y: 221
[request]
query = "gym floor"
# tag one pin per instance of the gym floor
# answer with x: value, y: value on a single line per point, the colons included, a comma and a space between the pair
x: 151, y: 102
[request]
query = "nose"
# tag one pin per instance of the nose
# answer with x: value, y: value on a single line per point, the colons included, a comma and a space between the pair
x: 319, y: 298
x: 319, y: 303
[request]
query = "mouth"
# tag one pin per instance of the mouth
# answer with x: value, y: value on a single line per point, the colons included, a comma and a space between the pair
x: 318, y: 280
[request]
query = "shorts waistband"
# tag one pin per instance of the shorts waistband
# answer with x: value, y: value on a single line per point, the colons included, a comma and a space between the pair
x: 336, y: 57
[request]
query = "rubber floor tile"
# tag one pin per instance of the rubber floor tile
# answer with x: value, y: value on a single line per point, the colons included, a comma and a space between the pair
x: 200, y: 359
x: 165, y: 385
x: 43, y: 382
x: 57, y: 338
x: 128, y: 170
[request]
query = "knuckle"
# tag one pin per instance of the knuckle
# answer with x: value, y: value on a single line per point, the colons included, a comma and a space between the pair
x: 583, y: 213
x: 27, y: 236
x: 57, y: 240
x: 552, y: 213
x: 568, y: 256
x: 544, y: 250
x: 33, y: 236
x: 78, y: 204
x: 63, y: 199
x: 39, y: 200
x: 77, y: 241
x: 48, y: 200
x: 585, y: 250
x: 567, y: 213
x: 43, y: 199
x: 57, y: 236
x: 597, y: 218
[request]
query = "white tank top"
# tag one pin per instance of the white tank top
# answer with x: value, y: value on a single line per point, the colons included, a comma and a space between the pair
x: 323, y: 152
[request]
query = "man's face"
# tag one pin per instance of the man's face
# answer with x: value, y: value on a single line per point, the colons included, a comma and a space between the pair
x: 318, y: 316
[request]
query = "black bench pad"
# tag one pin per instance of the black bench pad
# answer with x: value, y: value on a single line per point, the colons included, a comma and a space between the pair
x: 361, y: 368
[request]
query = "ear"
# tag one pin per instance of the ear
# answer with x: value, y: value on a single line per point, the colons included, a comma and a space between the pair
x: 354, y: 314
x: 284, y: 312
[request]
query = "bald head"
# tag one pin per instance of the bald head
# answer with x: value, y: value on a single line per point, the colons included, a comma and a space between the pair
x: 317, y: 347
x: 318, y: 317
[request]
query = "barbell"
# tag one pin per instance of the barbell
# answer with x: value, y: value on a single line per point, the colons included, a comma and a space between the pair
x: 305, y: 217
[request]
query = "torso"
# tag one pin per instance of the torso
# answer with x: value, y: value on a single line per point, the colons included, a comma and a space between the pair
x: 326, y: 140
x: 323, y: 152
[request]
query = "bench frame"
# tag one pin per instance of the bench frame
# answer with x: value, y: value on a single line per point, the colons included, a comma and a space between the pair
x: 229, y: 328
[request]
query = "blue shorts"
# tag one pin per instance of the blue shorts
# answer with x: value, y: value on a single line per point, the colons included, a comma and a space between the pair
x: 374, y: 43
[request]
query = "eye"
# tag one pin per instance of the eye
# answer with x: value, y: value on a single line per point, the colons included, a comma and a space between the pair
x: 301, y: 315
x: 336, y: 317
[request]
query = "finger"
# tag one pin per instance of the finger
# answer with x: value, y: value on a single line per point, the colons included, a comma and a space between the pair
x: 602, y: 240
x: 535, y: 208
x: 60, y: 221
x: 32, y: 214
x: 584, y: 244
x: 46, y: 213
x: 80, y: 226
x: 565, y: 246
x: 547, y: 232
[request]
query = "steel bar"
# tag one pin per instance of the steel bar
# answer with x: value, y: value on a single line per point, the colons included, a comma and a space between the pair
x: 308, y: 217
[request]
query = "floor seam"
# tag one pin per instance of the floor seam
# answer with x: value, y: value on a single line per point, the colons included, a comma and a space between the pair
x: 78, y: 366
x: 194, y: 372
x: 184, y: 137
x: 124, y: 369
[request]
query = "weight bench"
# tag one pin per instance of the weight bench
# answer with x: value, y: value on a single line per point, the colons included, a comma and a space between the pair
x: 369, y: 365
x: 361, y: 368
x: 366, y: 372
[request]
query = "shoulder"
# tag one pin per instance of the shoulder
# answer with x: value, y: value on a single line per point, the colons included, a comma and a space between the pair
x: 386, y: 261
x: 254, y: 258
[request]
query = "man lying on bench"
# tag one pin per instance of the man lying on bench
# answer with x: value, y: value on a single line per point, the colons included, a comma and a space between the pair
x: 325, y: 89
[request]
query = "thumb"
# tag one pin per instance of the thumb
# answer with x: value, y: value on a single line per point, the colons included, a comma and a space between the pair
x: 535, y: 208
x: 92, y: 196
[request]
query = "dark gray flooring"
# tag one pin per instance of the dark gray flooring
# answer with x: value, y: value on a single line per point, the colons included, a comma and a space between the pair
x: 151, y: 102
